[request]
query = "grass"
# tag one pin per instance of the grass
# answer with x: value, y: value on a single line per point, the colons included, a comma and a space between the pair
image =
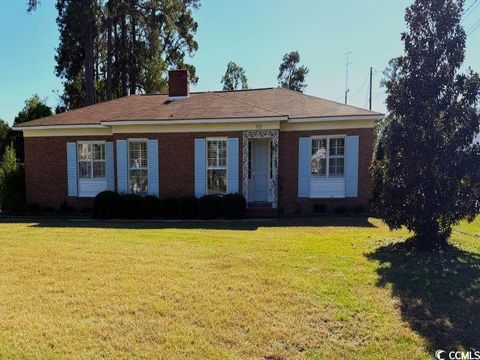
x: 319, y: 288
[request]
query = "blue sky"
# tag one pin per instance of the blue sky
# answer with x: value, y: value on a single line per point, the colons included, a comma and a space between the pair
x: 253, y: 33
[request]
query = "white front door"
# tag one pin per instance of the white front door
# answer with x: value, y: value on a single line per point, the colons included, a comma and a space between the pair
x: 260, y: 169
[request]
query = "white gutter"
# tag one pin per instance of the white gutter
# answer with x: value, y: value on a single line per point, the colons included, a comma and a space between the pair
x: 337, y: 118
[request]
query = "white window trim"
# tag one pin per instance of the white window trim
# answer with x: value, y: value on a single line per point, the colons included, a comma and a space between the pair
x: 135, y: 140
x: 103, y: 142
x: 215, y: 168
x: 327, y: 173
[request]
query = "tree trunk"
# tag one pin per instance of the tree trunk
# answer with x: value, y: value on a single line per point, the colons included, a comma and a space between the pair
x: 109, y: 50
x: 133, y: 50
x: 123, y: 51
x: 89, y: 56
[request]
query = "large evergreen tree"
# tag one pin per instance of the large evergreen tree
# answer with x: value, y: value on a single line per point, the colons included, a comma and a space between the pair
x: 291, y: 75
x: 429, y: 175
x: 113, y: 48
x: 234, y: 78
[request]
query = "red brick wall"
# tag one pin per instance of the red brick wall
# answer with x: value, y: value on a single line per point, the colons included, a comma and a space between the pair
x: 46, y: 167
x: 289, y: 203
x: 46, y: 171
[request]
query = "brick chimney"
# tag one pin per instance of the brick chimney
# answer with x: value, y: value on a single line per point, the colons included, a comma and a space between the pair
x: 178, y: 84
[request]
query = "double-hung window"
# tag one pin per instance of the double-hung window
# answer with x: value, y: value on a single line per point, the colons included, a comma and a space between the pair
x: 137, y: 167
x: 91, y: 161
x: 216, y: 166
x: 328, y: 156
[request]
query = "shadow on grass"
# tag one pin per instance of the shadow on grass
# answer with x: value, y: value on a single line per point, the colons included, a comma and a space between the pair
x: 195, y: 224
x: 439, y: 292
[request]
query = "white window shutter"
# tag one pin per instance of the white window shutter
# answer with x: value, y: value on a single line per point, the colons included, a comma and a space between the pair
x: 233, y: 162
x: 122, y: 166
x: 110, y: 166
x: 72, y: 177
x: 304, y: 163
x: 351, y: 166
x: 200, y: 167
x: 153, y: 172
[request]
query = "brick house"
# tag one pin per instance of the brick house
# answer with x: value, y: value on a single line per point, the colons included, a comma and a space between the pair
x: 277, y: 147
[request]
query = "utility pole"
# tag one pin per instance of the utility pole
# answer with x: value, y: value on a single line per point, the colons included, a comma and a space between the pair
x: 371, y: 82
x: 347, y: 65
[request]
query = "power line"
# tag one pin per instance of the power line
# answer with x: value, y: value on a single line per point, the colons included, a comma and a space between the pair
x: 474, y: 27
x: 361, y: 87
x: 470, y: 10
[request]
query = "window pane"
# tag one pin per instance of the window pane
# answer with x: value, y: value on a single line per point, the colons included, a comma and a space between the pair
x: 337, y: 146
x: 336, y: 167
x: 138, y: 155
x: 138, y: 181
x: 84, y: 151
x: 85, y: 170
x: 99, y: 169
x: 217, y: 181
x: 319, y: 157
x: 98, y: 151
x: 217, y: 153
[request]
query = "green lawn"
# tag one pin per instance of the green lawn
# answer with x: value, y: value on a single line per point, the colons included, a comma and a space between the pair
x: 318, y: 288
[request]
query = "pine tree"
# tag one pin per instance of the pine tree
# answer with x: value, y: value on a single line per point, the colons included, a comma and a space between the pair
x: 291, y: 76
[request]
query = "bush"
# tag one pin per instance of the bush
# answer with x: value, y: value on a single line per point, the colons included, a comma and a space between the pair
x: 234, y: 206
x: 49, y: 209
x: 106, y: 205
x: 65, y: 208
x: 34, y: 208
x: 129, y: 206
x: 319, y: 208
x: 340, y: 210
x: 150, y: 207
x: 187, y: 207
x: 210, y: 207
x: 169, y: 207
x: 359, y: 209
x: 12, y: 183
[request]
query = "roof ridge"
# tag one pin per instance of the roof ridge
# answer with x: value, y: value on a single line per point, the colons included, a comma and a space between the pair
x: 248, y: 103
x: 324, y: 99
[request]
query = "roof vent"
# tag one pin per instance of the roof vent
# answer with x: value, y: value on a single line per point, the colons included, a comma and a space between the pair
x: 178, y: 84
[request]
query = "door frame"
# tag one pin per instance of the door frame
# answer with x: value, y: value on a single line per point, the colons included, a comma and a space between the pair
x: 272, y: 134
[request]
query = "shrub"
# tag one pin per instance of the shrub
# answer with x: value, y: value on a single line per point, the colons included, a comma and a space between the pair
x: 187, y: 207
x: 49, y: 209
x: 234, y: 206
x: 150, y: 207
x: 65, y: 208
x: 105, y: 205
x: 129, y: 206
x: 169, y: 207
x: 210, y: 207
x: 12, y: 183
x: 34, y: 208
x: 319, y: 208
x: 340, y: 210
x: 359, y: 209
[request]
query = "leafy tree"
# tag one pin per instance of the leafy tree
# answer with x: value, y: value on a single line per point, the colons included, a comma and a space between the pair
x: 429, y: 176
x: 234, y: 77
x: 12, y: 182
x: 5, y: 136
x: 291, y: 76
x: 34, y: 108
